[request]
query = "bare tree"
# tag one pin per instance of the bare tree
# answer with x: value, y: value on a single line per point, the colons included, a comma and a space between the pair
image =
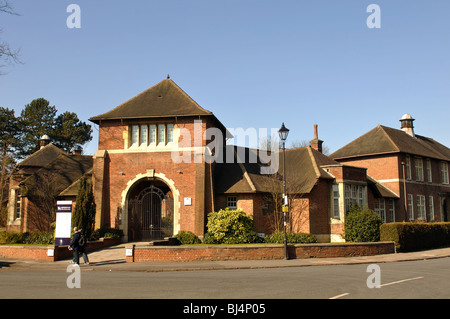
x: 7, y: 54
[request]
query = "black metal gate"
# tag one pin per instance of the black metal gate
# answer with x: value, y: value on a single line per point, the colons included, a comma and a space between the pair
x: 151, y: 215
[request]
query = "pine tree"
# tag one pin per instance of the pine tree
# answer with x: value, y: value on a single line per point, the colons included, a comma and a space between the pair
x: 84, y: 214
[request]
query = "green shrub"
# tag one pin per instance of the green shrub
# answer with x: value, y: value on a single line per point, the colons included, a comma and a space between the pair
x: 106, y: 232
x: 416, y: 236
x: 209, y: 239
x: 27, y: 238
x: 362, y: 225
x: 230, y: 227
x: 292, y: 238
x: 187, y: 238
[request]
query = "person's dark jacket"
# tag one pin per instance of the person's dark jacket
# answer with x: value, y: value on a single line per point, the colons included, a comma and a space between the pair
x: 75, y: 239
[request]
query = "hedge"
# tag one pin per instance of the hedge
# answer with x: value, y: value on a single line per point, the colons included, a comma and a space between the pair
x: 292, y: 238
x: 27, y: 238
x: 416, y: 236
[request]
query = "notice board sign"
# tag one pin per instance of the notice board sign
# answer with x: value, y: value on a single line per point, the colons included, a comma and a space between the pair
x: 63, y: 223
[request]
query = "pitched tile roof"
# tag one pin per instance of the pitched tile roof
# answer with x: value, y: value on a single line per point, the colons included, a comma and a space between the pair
x: 61, y: 173
x: 385, y: 140
x: 302, y: 172
x: 165, y: 99
x: 42, y: 156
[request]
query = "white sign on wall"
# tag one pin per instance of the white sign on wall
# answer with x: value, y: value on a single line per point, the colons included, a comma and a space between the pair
x: 187, y: 201
x: 63, y: 222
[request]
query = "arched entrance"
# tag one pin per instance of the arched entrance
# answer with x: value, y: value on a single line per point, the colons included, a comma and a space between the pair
x: 150, y: 210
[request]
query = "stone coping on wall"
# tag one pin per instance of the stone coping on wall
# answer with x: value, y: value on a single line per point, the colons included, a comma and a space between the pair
x: 146, y: 253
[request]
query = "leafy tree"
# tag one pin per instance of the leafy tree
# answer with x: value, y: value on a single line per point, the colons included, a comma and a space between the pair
x: 39, y: 118
x: 84, y: 213
x: 70, y: 132
x: 36, y: 119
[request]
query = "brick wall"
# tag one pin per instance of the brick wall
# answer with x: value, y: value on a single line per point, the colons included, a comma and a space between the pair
x: 59, y: 252
x: 255, y: 252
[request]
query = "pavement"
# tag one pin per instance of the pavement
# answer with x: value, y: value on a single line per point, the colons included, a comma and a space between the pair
x: 113, y: 259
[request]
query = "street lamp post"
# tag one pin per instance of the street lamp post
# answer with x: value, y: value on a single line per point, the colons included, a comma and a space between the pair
x: 283, y: 132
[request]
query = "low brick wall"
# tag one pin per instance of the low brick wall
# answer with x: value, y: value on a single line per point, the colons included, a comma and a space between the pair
x: 143, y: 253
x: 50, y: 253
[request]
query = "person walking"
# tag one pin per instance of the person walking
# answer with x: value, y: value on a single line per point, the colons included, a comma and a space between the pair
x: 75, y: 246
x: 82, y: 247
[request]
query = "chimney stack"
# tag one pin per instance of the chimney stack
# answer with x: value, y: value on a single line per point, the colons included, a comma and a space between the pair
x: 407, y: 124
x: 316, y: 143
x: 44, y: 141
x: 77, y: 150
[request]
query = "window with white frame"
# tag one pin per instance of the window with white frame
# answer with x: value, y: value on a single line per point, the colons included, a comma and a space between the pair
x: 144, y: 135
x: 18, y: 203
x: 232, y: 202
x: 410, y: 203
x: 134, y: 135
x: 408, y: 167
x: 421, y: 209
x: 380, y: 208
x: 354, y: 195
x: 169, y: 133
x: 444, y: 172
x: 391, y: 207
x: 152, y: 134
x: 429, y: 172
x: 419, y: 169
x: 161, y: 134
x: 336, y: 212
x: 431, y: 207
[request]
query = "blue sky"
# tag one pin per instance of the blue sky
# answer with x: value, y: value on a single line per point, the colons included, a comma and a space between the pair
x: 253, y: 63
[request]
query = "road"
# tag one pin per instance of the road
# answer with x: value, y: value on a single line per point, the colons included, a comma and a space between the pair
x: 423, y: 279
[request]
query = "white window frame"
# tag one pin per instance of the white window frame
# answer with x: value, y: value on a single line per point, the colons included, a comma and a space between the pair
x: 354, y: 194
x: 152, y: 134
x: 444, y: 172
x: 134, y: 135
x: 170, y: 131
x: 18, y: 204
x: 336, y: 208
x: 161, y: 136
x: 410, y: 201
x: 408, y: 167
x: 419, y: 169
x: 143, y: 135
x: 232, y: 202
x: 380, y: 208
x: 421, y: 207
x: 429, y: 171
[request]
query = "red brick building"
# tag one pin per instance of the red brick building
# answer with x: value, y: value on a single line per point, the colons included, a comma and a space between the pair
x: 141, y: 188
x: 413, y: 167
x: 38, y: 181
x: 162, y: 166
